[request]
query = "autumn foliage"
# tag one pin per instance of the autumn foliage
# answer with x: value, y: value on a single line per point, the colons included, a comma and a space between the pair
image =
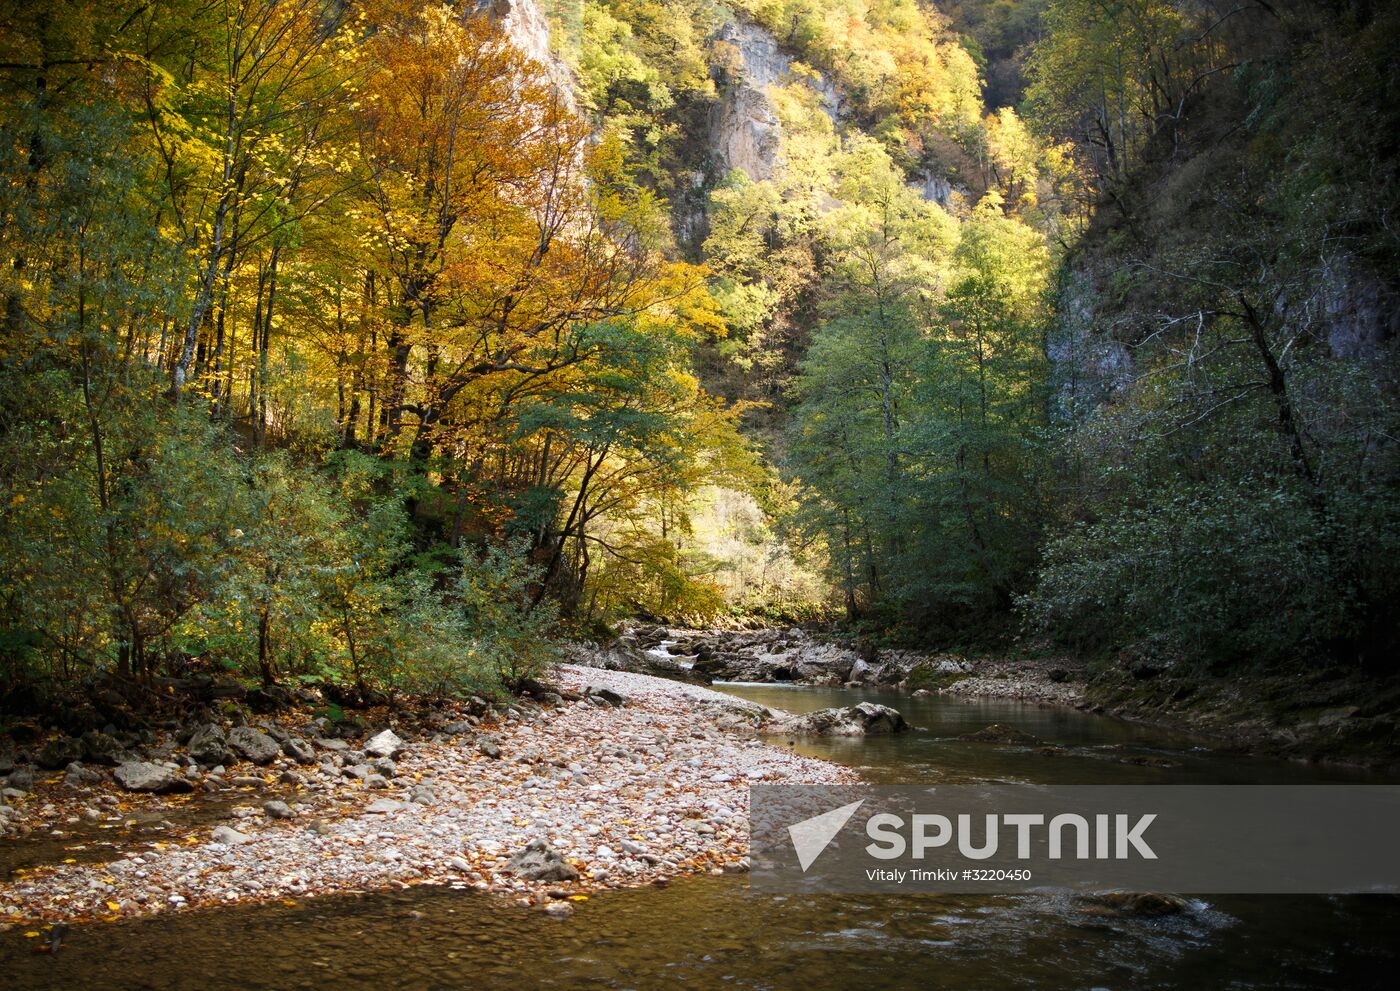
x: 334, y: 346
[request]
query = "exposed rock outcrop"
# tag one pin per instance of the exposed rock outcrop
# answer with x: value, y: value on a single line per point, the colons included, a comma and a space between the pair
x: 1087, y: 367
x: 527, y: 27
x: 625, y: 655
x: 785, y: 655
x: 934, y: 187
x: 745, y: 131
x: 865, y: 719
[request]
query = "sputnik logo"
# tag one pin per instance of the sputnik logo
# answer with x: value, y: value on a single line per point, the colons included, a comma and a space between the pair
x: 811, y: 837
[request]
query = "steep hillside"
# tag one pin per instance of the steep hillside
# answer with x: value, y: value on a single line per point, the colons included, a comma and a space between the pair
x: 1224, y: 354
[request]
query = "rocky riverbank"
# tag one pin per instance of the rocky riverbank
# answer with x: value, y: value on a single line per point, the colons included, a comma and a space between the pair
x: 609, y: 779
x: 1311, y: 713
x: 797, y: 656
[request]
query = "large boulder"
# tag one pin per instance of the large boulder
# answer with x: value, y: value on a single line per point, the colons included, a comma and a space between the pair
x: 538, y: 861
x: 139, y: 775
x: 99, y: 748
x: 605, y: 696
x: 385, y: 744
x: 59, y: 753
x: 208, y: 746
x: 253, y: 744
x: 865, y: 719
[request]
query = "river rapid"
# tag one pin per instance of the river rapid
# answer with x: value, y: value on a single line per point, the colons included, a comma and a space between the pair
x: 714, y: 932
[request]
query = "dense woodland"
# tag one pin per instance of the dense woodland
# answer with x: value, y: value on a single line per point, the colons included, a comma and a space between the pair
x: 342, y: 343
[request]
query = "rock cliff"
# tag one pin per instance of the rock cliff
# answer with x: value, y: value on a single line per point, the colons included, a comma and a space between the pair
x: 524, y: 22
x: 745, y: 130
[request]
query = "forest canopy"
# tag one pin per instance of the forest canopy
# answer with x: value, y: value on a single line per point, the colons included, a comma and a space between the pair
x: 342, y: 341
x: 333, y: 347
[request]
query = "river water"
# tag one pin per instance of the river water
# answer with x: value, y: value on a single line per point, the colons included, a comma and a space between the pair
x: 715, y: 933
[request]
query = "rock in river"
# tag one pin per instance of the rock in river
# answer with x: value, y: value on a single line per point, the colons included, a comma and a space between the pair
x: 865, y: 719
x: 138, y: 775
x: 1000, y: 733
x: 278, y: 810
x: 1137, y: 904
x: 538, y: 861
x: 253, y: 744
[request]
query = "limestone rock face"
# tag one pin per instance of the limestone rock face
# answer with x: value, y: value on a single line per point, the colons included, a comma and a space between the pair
x: 527, y: 27
x: 934, y: 187
x: 745, y: 128
x: 1087, y: 368
x: 625, y: 655
x: 748, y: 133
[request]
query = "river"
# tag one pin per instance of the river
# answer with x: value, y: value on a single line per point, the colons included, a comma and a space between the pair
x: 714, y: 932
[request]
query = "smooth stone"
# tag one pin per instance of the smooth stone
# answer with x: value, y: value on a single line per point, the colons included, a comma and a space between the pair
x: 278, y: 810
x: 229, y: 836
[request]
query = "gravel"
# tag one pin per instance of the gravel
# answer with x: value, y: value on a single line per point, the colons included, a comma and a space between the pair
x: 628, y: 794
